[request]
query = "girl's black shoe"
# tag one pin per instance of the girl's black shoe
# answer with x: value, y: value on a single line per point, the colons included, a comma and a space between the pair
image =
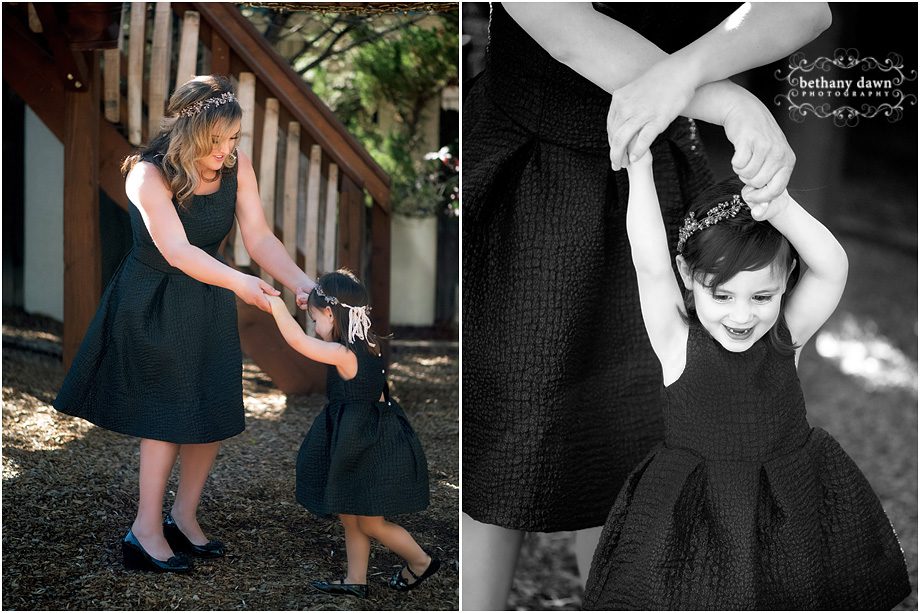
x: 341, y: 588
x: 179, y: 542
x: 135, y: 558
x: 399, y: 583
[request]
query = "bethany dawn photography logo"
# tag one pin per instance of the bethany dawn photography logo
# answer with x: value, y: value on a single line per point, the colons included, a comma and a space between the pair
x: 846, y: 87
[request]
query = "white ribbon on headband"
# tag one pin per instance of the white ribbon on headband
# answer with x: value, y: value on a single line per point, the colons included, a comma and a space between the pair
x: 358, y: 323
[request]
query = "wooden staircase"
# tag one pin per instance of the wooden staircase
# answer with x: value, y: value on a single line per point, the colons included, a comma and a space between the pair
x: 318, y: 184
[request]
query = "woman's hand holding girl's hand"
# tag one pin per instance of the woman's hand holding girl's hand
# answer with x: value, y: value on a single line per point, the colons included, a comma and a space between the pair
x: 642, y: 164
x: 301, y: 296
x: 763, y: 158
x: 765, y: 211
x: 275, y: 303
x: 254, y: 291
x: 643, y: 108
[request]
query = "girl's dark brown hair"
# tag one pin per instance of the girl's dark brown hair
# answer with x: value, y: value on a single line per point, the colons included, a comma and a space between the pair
x: 737, y: 244
x: 183, y: 140
x: 347, y: 289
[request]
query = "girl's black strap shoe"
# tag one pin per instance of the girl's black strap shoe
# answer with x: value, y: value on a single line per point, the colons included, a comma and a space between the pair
x: 136, y: 558
x: 341, y: 588
x: 400, y: 583
x: 179, y: 542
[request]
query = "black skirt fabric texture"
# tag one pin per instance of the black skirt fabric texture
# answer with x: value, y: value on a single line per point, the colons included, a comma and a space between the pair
x: 744, y: 506
x: 161, y: 358
x: 361, y: 455
x: 562, y: 393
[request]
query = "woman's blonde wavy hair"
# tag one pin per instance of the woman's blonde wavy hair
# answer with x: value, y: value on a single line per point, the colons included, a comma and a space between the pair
x: 183, y: 140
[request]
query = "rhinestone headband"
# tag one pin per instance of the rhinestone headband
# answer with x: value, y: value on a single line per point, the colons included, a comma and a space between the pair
x: 358, y: 321
x: 195, y: 108
x: 721, y: 211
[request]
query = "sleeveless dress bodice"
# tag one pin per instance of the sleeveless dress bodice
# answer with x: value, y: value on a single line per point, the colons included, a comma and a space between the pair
x: 735, y: 407
x: 744, y: 506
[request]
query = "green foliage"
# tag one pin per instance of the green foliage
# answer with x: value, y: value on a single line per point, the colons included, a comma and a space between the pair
x: 406, y: 70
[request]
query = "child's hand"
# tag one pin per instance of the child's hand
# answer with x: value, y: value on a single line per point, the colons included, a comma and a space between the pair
x: 254, y: 291
x: 642, y: 164
x: 764, y: 211
x: 275, y: 302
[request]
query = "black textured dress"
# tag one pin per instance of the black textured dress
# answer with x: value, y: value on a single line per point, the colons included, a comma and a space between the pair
x: 561, y: 388
x: 361, y: 456
x: 744, y: 506
x: 161, y: 358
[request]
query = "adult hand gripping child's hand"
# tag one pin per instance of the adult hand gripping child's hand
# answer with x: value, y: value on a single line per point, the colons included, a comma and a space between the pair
x: 764, y: 211
x: 253, y: 291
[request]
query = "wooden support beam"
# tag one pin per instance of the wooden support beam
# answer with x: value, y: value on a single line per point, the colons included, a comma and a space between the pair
x: 220, y: 55
x: 351, y: 235
x: 82, y: 244
x: 159, y: 67
x: 188, y: 48
x: 267, y: 167
x: 246, y: 94
x: 379, y: 285
x: 136, y: 71
x: 310, y: 245
x: 112, y: 84
x: 291, y: 182
x: 70, y: 64
x: 31, y: 72
x: 332, y: 203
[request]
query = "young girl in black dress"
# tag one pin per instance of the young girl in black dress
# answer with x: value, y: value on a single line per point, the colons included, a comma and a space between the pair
x: 361, y: 459
x: 744, y: 505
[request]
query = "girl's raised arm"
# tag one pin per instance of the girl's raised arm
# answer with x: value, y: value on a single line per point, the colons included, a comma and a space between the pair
x: 313, y: 348
x: 659, y: 294
x: 824, y: 272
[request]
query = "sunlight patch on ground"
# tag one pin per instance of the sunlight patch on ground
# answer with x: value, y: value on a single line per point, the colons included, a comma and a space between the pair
x: 11, y: 469
x: 860, y: 351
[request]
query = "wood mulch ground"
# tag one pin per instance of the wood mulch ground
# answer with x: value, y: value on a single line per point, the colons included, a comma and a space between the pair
x: 69, y: 496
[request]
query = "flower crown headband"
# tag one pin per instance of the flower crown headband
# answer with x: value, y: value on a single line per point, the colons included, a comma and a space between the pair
x: 196, y: 107
x: 721, y: 211
x: 358, y: 321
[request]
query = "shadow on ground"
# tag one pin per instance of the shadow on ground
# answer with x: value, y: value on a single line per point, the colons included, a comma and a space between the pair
x: 69, y: 494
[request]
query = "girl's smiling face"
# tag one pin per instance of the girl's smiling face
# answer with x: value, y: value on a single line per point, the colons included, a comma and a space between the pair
x: 743, y: 309
x: 324, y: 321
x: 223, y: 142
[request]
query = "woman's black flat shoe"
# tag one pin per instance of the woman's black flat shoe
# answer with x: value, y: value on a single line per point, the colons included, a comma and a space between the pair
x: 179, y: 542
x: 136, y: 558
x: 399, y: 583
x: 341, y: 588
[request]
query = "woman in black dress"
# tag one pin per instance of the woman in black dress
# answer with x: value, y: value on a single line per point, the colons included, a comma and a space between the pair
x: 161, y: 359
x: 561, y: 389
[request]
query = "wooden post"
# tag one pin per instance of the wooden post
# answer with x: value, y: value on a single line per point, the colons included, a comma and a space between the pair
x: 82, y: 245
x: 311, y: 222
x: 289, y: 220
x: 247, y: 99
x: 159, y: 68
x: 35, y: 23
x: 220, y: 55
x: 351, y: 204
x: 379, y: 286
x: 188, y: 48
x: 267, y: 167
x: 112, y: 84
x: 329, y: 238
x: 136, y: 71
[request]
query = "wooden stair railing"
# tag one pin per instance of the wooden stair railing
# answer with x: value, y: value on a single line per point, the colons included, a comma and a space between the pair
x: 313, y: 192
